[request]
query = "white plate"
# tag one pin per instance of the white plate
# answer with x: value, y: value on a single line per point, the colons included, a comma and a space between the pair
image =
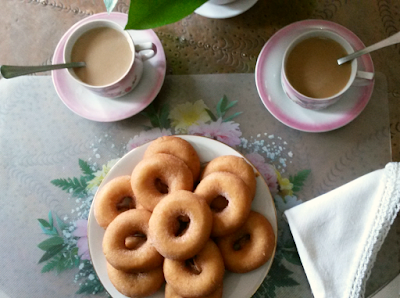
x: 235, y: 285
x: 229, y: 10
x: 269, y: 87
x: 93, y: 107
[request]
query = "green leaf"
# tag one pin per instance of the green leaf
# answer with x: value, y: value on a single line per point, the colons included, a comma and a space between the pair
x: 78, y: 187
x: 164, y: 120
x: 232, y: 116
x: 221, y: 106
x: 299, y: 179
x: 86, y: 169
x: 212, y: 116
x: 154, y: 120
x: 279, y: 276
x: 110, y: 4
x: 145, y: 14
x: 50, y: 243
x: 46, y: 228
x: 51, y: 265
x: 51, y: 253
x: 292, y: 256
x: 44, y: 223
x: 158, y: 118
x: 230, y: 105
x: 62, y: 261
x: 60, y: 223
x: 151, y: 113
x: 50, y: 216
x: 91, y: 287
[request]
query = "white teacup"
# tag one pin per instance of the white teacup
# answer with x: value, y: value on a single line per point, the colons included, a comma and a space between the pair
x: 317, y: 85
x: 114, y: 65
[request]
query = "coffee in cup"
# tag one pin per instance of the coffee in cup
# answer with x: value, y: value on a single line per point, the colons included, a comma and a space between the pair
x: 311, y: 75
x: 114, y: 63
x: 107, y: 54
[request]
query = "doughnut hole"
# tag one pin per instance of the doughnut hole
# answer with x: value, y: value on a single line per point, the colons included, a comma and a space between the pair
x: 135, y: 241
x: 218, y: 204
x: 192, y: 266
x: 125, y: 204
x: 181, y: 225
x: 161, y: 186
x: 241, y: 241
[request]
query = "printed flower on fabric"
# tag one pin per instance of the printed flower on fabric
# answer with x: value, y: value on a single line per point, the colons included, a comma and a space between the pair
x: 287, y: 202
x: 99, y: 175
x: 267, y: 171
x: 188, y: 114
x: 285, y: 186
x: 147, y: 136
x: 226, y: 132
x: 82, y: 243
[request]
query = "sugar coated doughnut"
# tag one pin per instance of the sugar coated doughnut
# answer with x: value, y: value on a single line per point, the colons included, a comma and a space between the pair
x: 233, y: 189
x: 120, y: 252
x: 249, y: 247
x: 235, y: 165
x: 199, y: 276
x: 134, y: 285
x: 178, y: 147
x: 154, y: 177
x: 114, y: 198
x: 170, y: 293
x: 180, y: 225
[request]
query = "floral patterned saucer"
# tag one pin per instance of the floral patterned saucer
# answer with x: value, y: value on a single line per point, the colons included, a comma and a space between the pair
x: 93, y: 107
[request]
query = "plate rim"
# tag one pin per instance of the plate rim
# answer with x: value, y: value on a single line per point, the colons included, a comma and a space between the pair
x: 188, y: 138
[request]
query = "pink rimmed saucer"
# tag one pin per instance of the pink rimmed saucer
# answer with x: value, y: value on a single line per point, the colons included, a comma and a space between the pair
x: 93, y: 107
x: 268, y: 82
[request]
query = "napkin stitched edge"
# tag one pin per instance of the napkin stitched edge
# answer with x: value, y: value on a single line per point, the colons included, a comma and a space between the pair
x: 389, y: 206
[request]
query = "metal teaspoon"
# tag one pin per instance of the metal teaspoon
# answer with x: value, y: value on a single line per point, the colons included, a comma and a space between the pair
x: 391, y: 40
x: 10, y: 71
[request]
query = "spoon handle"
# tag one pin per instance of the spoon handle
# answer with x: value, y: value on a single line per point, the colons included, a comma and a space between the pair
x: 10, y: 71
x: 391, y: 40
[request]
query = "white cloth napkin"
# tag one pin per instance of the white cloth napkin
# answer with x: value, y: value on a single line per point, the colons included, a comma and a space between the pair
x: 338, y: 234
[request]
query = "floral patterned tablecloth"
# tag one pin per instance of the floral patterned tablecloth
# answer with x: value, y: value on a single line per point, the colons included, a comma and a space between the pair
x: 52, y: 161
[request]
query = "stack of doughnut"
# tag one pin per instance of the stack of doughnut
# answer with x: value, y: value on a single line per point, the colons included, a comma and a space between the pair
x: 170, y: 221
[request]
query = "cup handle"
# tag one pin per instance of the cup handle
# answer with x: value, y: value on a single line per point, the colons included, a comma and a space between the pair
x: 149, y: 47
x: 363, y: 78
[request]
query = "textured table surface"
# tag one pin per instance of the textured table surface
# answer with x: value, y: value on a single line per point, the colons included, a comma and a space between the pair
x: 197, y: 45
x: 31, y: 30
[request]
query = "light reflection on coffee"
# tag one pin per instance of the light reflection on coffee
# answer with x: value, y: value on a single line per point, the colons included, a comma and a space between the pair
x: 311, y: 67
x: 107, y: 54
